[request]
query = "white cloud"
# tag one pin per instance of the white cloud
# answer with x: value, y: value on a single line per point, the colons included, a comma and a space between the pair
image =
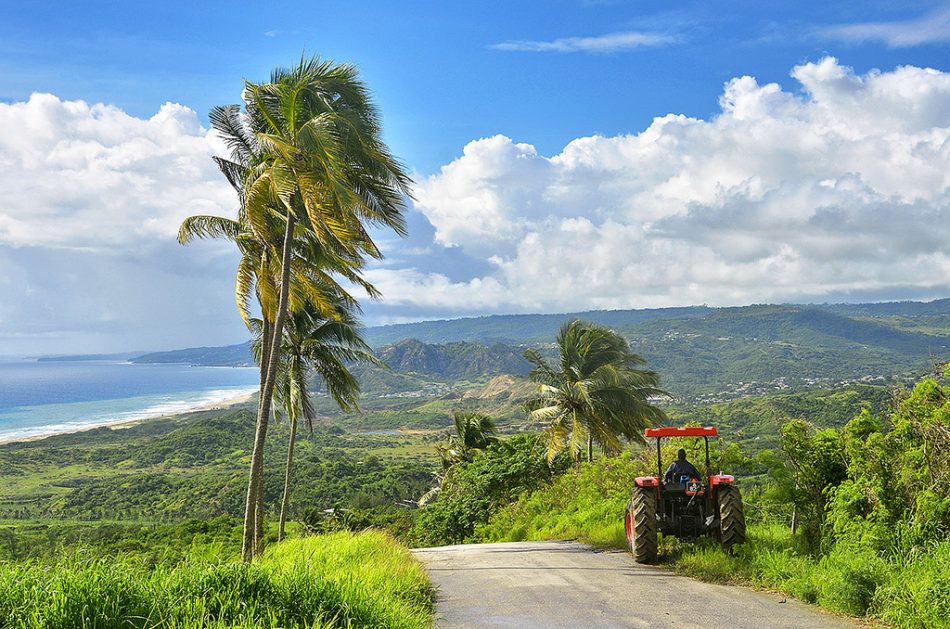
x: 611, y: 42
x: 842, y: 189
x: 92, y: 201
x: 933, y: 27
x: 76, y: 175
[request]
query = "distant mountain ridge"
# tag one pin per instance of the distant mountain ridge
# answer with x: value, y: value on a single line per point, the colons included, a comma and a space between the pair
x: 698, y: 351
x: 532, y: 328
x: 226, y: 356
x: 517, y: 328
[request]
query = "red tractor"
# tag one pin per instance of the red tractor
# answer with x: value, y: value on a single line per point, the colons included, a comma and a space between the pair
x: 685, y: 507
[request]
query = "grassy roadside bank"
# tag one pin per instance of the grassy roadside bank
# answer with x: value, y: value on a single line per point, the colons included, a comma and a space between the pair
x: 337, y: 580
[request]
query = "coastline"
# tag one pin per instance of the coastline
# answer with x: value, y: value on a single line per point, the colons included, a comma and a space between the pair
x: 236, y: 399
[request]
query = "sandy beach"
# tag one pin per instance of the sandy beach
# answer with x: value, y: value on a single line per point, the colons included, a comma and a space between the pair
x: 119, y: 423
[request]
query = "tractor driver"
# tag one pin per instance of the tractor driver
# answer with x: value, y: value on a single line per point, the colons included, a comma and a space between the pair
x: 680, y: 467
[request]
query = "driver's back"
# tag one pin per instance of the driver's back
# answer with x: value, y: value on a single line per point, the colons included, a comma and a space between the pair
x: 679, y: 468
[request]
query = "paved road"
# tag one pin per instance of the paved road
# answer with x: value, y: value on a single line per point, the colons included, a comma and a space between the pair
x: 564, y: 584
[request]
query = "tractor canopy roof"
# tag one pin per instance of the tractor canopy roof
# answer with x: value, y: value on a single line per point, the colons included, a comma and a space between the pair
x: 689, y: 431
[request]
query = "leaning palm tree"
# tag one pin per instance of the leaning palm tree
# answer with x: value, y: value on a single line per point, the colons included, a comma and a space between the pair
x: 313, y: 269
x: 598, y: 394
x: 326, y: 347
x: 309, y: 161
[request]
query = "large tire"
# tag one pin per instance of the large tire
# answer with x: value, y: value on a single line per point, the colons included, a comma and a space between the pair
x: 731, y: 518
x: 640, y: 524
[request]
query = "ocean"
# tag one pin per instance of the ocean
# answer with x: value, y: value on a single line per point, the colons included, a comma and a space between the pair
x: 44, y: 398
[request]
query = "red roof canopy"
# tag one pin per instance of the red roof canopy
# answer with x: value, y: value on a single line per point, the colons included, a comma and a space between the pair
x: 691, y: 431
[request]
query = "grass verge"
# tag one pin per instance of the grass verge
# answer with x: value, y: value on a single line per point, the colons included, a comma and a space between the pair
x: 337, y: 580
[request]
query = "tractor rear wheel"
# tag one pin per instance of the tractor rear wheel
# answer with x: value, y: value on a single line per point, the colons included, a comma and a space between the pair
x: 640, y: 524
x: 731, y: 518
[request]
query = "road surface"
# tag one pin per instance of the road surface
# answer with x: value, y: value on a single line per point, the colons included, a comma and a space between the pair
x: 565, y: 584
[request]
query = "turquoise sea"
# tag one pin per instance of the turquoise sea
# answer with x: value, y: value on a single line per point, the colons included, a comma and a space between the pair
x: 42, y: 398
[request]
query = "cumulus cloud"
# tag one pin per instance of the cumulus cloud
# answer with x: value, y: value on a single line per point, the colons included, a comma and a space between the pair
x: 611, y: 42
x: 840, y: 189
x: 92, y: 200
x: 931, y: 28
x: 76, y: 175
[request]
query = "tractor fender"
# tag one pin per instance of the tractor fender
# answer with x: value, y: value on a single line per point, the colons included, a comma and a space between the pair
x: 721, y: 479
x: 647, y: 481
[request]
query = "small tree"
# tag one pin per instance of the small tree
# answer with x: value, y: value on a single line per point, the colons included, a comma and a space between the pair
x: 323, y: 346
x: 474, y: 432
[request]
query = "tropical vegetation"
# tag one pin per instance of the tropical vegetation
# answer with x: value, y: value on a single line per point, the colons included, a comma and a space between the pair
x: 474, y: 432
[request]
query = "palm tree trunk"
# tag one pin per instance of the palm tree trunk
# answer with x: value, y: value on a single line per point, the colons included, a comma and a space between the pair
x: 259, y: 513
x: 254, y: 485
x: 265, y: 356
x: 266, y: 345
x: 590, y: 448
x: 285, y: 502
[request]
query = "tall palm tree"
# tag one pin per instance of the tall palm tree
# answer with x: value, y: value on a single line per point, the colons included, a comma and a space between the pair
x: 598, y: 394
x: 324, y: 346
x: 313, y: 268
x: 309, y: 160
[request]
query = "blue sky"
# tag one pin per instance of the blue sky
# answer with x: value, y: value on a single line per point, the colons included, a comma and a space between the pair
x: 526, y: 79
x: 432, y: 65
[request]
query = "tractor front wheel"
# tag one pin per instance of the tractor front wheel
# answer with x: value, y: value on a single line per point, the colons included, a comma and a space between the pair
x: 640, y: 524
x: 731, y: 518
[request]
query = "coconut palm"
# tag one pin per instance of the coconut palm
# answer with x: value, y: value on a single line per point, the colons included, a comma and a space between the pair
x: 324, y: 346
x: 597, y: 394
x: 313, y: 268
x: 310, y: 163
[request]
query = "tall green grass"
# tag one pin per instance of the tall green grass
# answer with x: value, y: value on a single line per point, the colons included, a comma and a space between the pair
x: 581, y: 504
x: 338, y: 580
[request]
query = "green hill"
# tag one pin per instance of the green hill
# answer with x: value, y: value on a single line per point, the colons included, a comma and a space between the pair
x: 515, y: 329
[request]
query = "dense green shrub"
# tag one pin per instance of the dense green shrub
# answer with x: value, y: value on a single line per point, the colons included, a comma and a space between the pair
x: 398, y: 521
x: 473, y: 491
x: 586, y: 502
